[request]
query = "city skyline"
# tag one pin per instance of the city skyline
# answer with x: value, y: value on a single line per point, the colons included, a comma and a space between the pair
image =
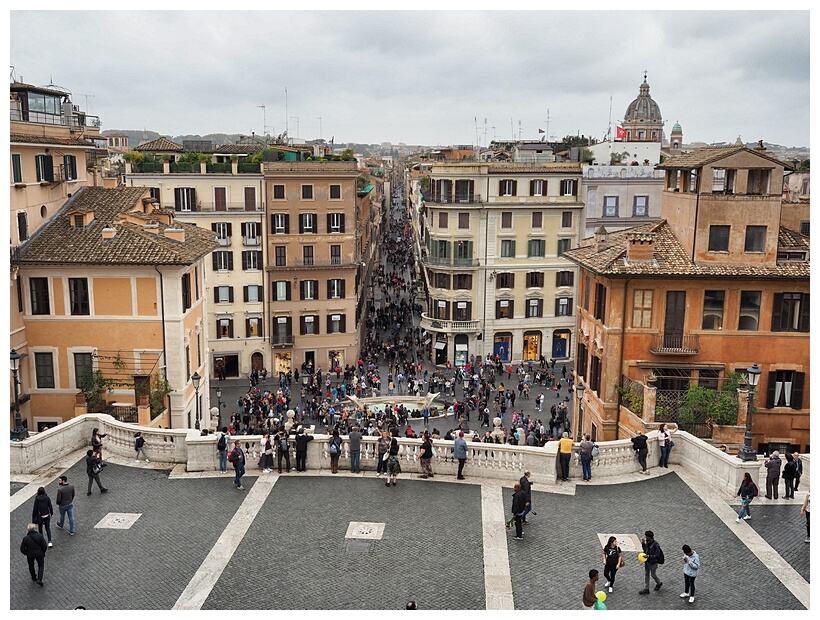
x: 438, y: 77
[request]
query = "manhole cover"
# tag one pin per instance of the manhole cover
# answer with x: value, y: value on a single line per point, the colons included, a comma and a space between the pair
x: 118, y: 520
x: 367, y: 531
x: 627, y: 542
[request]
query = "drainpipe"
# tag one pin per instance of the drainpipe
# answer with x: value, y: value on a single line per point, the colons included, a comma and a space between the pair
x: 621, y: 363
x: 164, y: 350
x: 484, y: 300
x: 697, y: 206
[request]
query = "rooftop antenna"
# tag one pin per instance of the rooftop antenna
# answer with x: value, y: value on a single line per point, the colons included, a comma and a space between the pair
x: 286, y: 110
x: 512, y: 129
x: 86, y: 100
x: 262, y: 105
x: 475, y: 120
x: 609, y: 124
x: 485, y: 132
x: 297, y: 125
x: 519, y: 130
x: 547, y: 137
x: 320, y: 127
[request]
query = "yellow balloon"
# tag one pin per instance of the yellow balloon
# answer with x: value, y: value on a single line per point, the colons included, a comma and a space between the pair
x: 643, y: 557
x: 600, y: 595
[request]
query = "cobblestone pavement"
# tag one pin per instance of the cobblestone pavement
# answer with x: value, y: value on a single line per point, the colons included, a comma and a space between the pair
x: 294, y: 554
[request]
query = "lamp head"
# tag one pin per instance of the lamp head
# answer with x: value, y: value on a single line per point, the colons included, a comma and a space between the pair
x: 754, y: 374
x: 219, y: 392
x: 195, y: 379
x: 579, y: 390
x: 14, y: 360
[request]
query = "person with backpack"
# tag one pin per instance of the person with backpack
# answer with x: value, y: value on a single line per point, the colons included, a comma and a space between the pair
x: 222, y: 448
x: 283, y: 450
x: 139, y: 446
x: 654, y: 557
x: 237, y: 457
x: 747, y: 492
x: 334, y: 448
x: 302, y: 440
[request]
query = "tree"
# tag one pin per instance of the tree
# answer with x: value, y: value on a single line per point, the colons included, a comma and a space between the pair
x: 804, y: 165
x: 575, y: 141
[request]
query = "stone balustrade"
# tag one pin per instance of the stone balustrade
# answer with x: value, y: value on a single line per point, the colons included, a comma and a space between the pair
x: 502, y: 462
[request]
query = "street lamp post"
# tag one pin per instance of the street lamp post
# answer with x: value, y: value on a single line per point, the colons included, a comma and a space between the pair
x: 579, y: 392
x: 219, y: 404
x: 195, y: 379
x: 19, y: 432
x: 746, y: 452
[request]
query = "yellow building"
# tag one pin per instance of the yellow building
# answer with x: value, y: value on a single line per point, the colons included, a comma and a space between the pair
x: 112, y: 283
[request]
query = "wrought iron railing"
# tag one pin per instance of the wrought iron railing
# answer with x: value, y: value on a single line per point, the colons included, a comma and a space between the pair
x: 674, y: 345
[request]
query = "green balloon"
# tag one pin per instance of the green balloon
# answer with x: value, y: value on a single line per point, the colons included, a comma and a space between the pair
x: 599, y: 605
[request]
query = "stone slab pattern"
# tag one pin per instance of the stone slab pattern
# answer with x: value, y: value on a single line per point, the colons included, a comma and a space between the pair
x: 550, y: 566
x: 295, y: 554
x: 144, y: 567
x: 16, y: 486
x: 784, y: 528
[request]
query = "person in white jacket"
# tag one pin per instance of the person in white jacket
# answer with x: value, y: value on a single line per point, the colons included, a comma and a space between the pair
x: 691, y: 566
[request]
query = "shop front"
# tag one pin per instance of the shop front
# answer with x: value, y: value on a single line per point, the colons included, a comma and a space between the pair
x: 282, y: 362
x: 502, y: 342
x: 226, y: 366
x: 440, y: 346
x: 560, y: 343
x: 336, y: 360
x: 462, y: 349
x: 532, y: 346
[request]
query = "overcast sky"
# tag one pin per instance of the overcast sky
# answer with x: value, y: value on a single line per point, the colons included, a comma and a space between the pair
x: 424, y: 77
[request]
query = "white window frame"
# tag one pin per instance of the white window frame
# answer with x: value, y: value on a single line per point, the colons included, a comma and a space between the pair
x: 279, y: 220
x: 568, y: 187
x: 222, y: 236
x: 310, y: 223
x: 222, y: 260
x: 611, y: 202
x: 507, y: 187
x: 226, y: 297
x: 637, y: 207
x: 335, y: 222
x: 256, y: 293
x: 539, y: 187
x: 252, y: 233
x: 311, y: 290
x: 336, y: 288
x: 252, y: 260
x: 187, y: 201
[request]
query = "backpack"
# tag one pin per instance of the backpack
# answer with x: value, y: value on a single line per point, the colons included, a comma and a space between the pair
x: 661, y: 559
x: 233, y: 456
x: 283, y: 444
x: 222, y: 442
x: 334, y: 449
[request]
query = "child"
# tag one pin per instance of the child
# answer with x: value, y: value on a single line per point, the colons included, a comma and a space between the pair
x: 139, y: 446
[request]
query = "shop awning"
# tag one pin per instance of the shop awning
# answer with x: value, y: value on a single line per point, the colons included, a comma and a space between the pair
x: 461, y: 347
x: 440, y: 345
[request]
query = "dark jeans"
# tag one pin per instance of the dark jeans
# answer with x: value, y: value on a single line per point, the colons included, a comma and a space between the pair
x: 91, y: 479
x: 355, y: 461
x: 334, y: 462
x: 300, y: 461
x: 381, y: 464
x: 240, y: 471
x: 664, y: 462
x: 789, y: 487
x: 45, y: 523
x: 565, y: 465
x: 797, y: 481
x: 609, y: 572
x: 461, y: 463
x: 650, y: 569
x: 586, y: 465
x: 642, y: 457
x: 519, y: 526
x: 283, y: 454
x: 40, y: 566
x: 772, y: 485
x: 67, y: 509
x: 689, y: 584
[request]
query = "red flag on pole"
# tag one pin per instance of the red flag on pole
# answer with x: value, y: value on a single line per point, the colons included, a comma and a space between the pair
x: 620, y: 133
x: 540, y: 131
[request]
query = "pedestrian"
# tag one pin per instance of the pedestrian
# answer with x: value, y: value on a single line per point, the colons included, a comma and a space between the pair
x: 302, y: 440
x: 799, y: 462
x: 526, y: 486
x: 589, y: 598
x: 772, y: 466
x: 96, y: 444
x: 393, y: 465
x: 613, y: 560
x: 139, y: 446
x: 354, y: 438
x: 460, y: 454
x: 266, y: 458
x: 519, y: 505
x: 42, y: 512
x: 565, y: 445
x: 586, y: 458
x: 642, y: 449
x: 789, y: 474
x: 34, y: 547
x: 282, y: 451
x: 222, y: 448
x: 691, y: 566
x: 654, y: 557
x: 65, y: 503
x: 806, y: 509
x: 747, y: 492
x: 665, y: 443
x: 426, y: 456
x: 237, y: 457
x: 334, y: 448
x: 93, y: 467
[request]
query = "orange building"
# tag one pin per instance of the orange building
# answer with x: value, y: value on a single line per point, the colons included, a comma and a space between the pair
x: 713, y: 288
x: 112, y: 297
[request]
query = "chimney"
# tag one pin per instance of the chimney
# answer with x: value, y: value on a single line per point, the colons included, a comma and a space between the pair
x: 109, y: 233
x: 151, y: 228
x: 177, y: 234
x: 640, y: 247
x: 600, y: 238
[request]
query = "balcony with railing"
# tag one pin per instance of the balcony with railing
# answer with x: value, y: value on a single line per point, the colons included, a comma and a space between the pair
x: 662, y: 344
x: 452, y: 198
x: 449, y: 261
x: 282, y: 340
x: 318, y: 263
x: 449, y: 327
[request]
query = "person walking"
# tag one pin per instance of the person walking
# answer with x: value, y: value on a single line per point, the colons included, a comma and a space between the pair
x: 222, y: 449
x: 65, y: 503
x: 383, y: 447
x: 34, y: 547
x: 747, y: 492
x: 354, y: 438
x: 42, y: 512
x: 526, y: 486
x: 691, y: 566
x: 806, y: 510
x: 139, y: 446
x: 96, y: 444
x: 565, y: 445
x: 519, y: 505
x: 237, y: 457
x: 460, y: 454
x: 799, y: 462
x: 654, y: 557
x: 282, y: 451
x: 613, y: 560
x: 665, y: 443
x: 789, y: 474
x: 93, y: 467
x: 302, y: 440
x: 334, y: 448
x: 426, y: 456
x: 642, y: 449
x: 589, y: 599
x: 772, y: 466
x: 393, y: 465
x: 586, y: 458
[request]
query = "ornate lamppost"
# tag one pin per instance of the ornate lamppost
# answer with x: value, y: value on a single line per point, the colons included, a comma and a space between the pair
x: 746, y: 452
x: 219, y: 404
x: 579, y: 392
x: 19, y: 432
x: 195, y: 379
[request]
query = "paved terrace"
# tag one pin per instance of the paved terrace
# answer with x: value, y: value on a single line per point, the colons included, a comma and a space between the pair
x: 189, y: 540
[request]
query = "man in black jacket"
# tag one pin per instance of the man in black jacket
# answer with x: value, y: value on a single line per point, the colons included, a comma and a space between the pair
x: 654, y: 557
x: 526, y: 486
x: 519, y: 504
x: 93, y: 467
x: 640, y: 446
x: 34, y: 547
x: 302, y: 440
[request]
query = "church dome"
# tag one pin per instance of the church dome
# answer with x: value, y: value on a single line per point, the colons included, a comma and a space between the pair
x: 644, y: 107
x: 676, y: 127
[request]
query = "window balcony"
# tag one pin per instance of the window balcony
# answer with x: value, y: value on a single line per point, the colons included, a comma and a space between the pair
x: 452, y: 198
x: 674, y: 345
x: 281, y: 340
x: 454, y: 262
x: 449, y: 327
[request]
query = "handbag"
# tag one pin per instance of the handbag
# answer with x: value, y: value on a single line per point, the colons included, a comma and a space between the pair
x: 96, y: 468
x: 596, y: 451
x: 621, y: 561
x: 671, y: 444
x: 386, y: 456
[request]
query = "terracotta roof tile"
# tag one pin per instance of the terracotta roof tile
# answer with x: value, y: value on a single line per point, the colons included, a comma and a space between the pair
x: 159, y: 144
x: 239, y: 149
x: 61, y: 243
x: 20, y: 138
x: 710, y: 154
x: 792, y: 240
x: 549, y: 167
x: 670, y: 258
